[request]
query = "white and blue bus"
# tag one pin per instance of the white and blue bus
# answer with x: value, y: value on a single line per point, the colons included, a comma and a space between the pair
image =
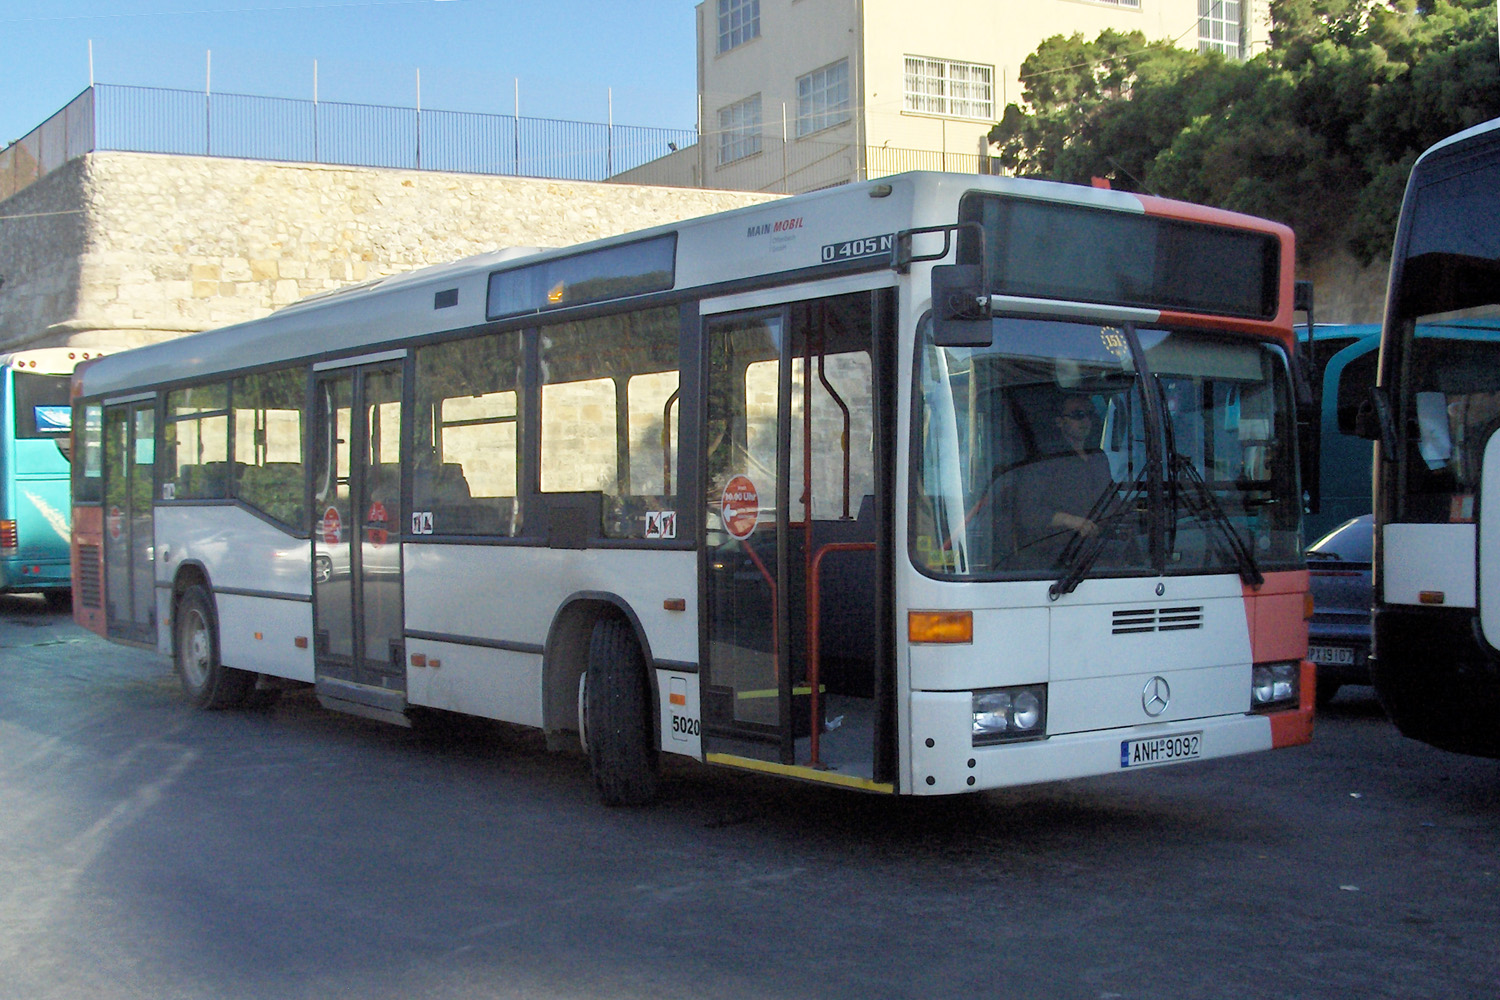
x: 1436, y: 413
x: 766, y: 489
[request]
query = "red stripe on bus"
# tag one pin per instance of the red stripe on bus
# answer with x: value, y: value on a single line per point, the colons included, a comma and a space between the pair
x: 1281, y: 324
x: 1274, y: 612
x: 1293, y: 728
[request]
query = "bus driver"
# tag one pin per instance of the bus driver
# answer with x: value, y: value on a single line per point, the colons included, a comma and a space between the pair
x: 1055, y: 494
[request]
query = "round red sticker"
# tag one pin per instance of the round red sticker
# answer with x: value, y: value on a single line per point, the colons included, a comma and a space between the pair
x: 115, y: 519
x: 377, y: 536
x: 740, y: 506
x: 331, y: 526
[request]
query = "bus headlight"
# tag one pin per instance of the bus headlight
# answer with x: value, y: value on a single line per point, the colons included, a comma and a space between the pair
x: 1274, y: 684
x: 1002, y: 715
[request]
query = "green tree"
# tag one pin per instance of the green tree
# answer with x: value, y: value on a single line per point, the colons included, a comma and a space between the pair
x: 1320, y: 132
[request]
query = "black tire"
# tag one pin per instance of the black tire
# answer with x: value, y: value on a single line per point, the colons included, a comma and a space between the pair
x: 1325, y: 691
x: 207, y: 683
x: 622, y: 748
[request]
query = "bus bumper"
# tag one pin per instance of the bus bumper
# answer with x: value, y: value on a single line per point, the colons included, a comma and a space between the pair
x: 19, y: 575
x: 961, y: 767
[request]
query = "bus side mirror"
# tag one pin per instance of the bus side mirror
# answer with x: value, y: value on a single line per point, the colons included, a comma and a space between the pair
x: 960, y: 306
x: 1302, y: 298
x: 1376, y: 422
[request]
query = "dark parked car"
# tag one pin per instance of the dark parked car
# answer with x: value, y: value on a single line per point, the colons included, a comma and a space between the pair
x: 1338, y: 636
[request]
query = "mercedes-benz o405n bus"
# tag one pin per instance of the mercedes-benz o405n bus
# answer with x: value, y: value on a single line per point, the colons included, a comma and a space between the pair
x: 926, y: 485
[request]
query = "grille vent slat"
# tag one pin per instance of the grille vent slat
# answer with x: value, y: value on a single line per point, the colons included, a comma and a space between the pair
x: 89, y: 590
x: 1135, y: 621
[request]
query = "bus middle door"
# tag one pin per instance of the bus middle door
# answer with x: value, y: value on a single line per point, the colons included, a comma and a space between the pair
x: 359, y: 650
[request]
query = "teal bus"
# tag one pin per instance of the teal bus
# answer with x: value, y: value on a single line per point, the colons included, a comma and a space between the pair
x: 35, y: 444
x: 1343, y: 359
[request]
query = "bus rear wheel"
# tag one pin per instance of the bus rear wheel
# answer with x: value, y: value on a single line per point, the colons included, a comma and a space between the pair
x: 206, y: 681
x: 617, y: 717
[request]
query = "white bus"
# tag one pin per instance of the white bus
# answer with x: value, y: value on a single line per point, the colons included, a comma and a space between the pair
x: 731, y: 489
x: 1436, y: 657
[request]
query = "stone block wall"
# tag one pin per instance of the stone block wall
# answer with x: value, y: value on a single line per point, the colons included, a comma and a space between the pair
x: 123, y: 249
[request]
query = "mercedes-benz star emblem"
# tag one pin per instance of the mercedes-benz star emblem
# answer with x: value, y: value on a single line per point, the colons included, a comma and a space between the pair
x: 1156, y: 696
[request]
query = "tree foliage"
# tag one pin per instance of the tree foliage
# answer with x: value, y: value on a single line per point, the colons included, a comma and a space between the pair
x: 1319, y: 132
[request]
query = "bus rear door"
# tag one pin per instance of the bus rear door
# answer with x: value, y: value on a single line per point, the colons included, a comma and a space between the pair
x: 357, y: 610
x: 129, y: 545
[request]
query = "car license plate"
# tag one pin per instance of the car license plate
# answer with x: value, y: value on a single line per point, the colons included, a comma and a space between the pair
x: 1161, y: 750
x: 1332, y: 655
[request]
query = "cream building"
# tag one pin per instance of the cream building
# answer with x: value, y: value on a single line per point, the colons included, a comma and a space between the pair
x: 796, y: 95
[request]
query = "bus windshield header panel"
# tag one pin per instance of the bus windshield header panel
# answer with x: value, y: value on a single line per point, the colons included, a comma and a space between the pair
x: 1452, y: 259
x: 597, y: 276
x: 1048, y: 250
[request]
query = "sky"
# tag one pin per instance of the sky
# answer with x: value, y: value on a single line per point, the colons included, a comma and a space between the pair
x: 570, y: 57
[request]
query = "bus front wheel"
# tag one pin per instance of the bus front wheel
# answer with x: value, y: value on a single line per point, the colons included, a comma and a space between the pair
x: 206, y: 681
x: 621, y: 748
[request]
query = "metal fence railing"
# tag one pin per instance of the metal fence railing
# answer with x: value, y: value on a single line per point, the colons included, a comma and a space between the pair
x: 198, y: 123
x: 57, y: 140
x: 151, y: 120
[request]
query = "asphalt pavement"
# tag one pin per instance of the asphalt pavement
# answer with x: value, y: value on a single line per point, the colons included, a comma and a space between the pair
x: 149, y: 850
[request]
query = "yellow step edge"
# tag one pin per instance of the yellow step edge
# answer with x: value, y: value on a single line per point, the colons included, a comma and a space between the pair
x: 776, y: 693
x: 799, y: 771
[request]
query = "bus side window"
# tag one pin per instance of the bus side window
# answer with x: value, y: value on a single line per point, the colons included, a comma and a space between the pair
x: 268, y: 444
x: 610, y: 417
x: 88, y: 471
x: 466, y: 456
x: 195, y: 457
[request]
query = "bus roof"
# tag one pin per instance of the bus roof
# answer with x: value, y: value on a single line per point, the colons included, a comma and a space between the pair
x: 50, y: 360
x: 1460, y: 138
x: 802, y: 233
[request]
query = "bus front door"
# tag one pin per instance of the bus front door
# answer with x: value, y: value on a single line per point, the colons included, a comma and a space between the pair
x: 129, y: 527
x: 791, y: 591
x: 359, y: 653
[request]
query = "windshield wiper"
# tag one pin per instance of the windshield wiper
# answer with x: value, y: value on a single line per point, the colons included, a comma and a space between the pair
x: 1200, y: 501
x: 1082, y: 552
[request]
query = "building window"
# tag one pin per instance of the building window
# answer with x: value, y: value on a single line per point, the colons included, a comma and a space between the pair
x: 739, y: 130
x: 1220, y: 28
x: 739, y: 22
x: 1121, y: 3
x: 951, y: 88
x: 823, y: 98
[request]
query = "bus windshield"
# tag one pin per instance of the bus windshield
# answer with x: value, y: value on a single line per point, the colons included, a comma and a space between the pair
x: 1448, y: 310
x: 1044, y: 440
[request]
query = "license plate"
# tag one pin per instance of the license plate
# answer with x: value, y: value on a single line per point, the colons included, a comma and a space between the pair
x: 1161, y: 750
x: 1332, y: 655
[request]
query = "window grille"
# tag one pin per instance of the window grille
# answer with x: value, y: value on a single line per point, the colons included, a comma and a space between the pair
x: 949, y: 87
x: 1221, y: 27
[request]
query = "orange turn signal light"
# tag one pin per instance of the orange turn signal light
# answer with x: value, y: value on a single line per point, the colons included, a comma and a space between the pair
x: 1308, y: 606
x: 1432, y: 597
x: 940, y: 626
